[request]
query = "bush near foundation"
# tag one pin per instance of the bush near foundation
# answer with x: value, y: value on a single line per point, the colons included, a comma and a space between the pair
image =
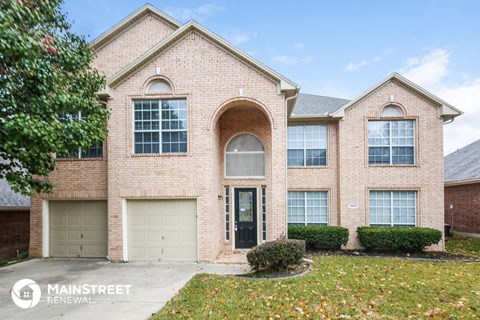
x: 278, y: 255
x: 398, y: 238
x: 329, y: 237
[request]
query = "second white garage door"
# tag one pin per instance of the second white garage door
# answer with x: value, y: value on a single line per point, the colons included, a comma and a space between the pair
x: 162, y: 230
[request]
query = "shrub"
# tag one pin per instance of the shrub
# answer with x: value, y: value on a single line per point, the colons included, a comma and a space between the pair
x: 398, y: 238
x: 276, y: 255
x: 324, y: 236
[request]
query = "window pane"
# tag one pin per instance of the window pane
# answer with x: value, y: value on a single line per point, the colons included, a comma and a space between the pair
x: 296, y: 208
x: 402, y: 155
x: 148, y: 127
x: 245, y: 142
x: 245, y: 164
x: 390, y: 208
x: 310, y: 140
x: 378, y: 133
x: 295, y: 157
x: 316, y: 157
x: 307, y: 208
x: 378, y: 155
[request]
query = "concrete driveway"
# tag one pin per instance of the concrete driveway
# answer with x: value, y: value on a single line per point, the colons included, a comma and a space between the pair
x: 130, y: 290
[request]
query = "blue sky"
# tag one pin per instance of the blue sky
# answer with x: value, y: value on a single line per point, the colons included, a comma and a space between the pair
x: 338, y: 48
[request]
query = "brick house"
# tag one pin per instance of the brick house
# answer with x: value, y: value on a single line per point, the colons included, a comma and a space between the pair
x: 15, y: 222
x: 462, y: 189
x: 209, y: 150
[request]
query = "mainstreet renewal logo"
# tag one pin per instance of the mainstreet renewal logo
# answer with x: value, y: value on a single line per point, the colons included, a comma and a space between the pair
x: 26, y: 293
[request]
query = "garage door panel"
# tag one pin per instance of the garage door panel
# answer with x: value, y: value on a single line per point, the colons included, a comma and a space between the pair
x: 168, y: 228
x: 78, y: 229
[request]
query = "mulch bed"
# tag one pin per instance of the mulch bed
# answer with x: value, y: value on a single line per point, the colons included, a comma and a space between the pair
x: 430, y: 256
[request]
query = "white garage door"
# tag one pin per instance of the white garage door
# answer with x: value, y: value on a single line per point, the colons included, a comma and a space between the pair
x: 162, y: 230
x: 78, y: 229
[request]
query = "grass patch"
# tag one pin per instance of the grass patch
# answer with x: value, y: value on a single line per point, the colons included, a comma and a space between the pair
x: 22, y: 257
x: 337, y: 287
x: 464, y: 246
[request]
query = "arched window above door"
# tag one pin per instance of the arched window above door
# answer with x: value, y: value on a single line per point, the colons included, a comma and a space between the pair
x: 244, y: 157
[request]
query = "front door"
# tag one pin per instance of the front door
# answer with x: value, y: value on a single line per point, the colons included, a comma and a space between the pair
x: 245, y: 218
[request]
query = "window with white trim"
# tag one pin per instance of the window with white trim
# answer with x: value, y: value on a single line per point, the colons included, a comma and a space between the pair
x: 160, y: 126
x: 94, y: 151
x: 245, y: 157
x: 391, y: 111
x: 307, y: 208
x: 391, y: 142
x: 307, y: 145
x: 393, y: 208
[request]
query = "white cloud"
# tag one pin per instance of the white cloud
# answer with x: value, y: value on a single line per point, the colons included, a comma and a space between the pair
x: 238, y: 37
x: 198, y: 13
x: 290, y: 60
x: 428, y: 70
x: 465, y: 129
x: 299, y: 46
x: 354, y: 66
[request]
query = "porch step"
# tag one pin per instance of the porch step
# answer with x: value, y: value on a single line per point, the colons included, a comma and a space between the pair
x: 237, y: 256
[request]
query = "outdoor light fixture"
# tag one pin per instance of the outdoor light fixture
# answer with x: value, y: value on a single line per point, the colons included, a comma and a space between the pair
x: 220, y: 197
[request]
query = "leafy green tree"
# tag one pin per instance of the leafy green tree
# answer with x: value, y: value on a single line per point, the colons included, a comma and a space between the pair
x: 45, y: 74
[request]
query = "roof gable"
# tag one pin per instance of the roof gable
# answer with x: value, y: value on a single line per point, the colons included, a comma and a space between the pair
x: 192, y: 26
x: 445, y: 110
x: 126, y: 23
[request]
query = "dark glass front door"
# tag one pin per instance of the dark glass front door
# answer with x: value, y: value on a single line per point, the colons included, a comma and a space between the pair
x: 245, y: 218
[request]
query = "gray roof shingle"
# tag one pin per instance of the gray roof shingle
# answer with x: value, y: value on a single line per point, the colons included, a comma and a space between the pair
x: 463, y: 164
x: 310, y: 104
x: 8, y: 198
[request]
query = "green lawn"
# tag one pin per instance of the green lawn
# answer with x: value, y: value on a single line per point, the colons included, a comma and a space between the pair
x: 338, y: 287
x: 465, y: 246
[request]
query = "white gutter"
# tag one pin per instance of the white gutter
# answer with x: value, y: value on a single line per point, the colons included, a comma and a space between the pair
x: 295, y: 96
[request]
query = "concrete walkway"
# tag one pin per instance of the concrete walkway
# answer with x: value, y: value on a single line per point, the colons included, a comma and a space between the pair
x: 149, y: 285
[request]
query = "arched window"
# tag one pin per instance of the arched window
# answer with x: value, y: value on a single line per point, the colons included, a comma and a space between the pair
x: 245, y: 157
x: 159, y: 86
x: 391, y: 111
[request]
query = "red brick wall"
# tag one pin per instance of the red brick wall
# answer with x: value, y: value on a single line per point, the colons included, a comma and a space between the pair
x: 15, y: 234
x: 466, y: 207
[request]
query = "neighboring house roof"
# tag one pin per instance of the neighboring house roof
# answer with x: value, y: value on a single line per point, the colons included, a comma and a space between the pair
x: 126, y: 23
x: 9, y: 199
x: 445, y: 110
x: 284, y: 83
x: 314, y: 105
x: 463, y: 165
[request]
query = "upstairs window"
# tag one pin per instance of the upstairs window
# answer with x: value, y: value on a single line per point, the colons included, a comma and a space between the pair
x: 391, y: 142
x: 160, y: 126
x: 245, y: 157
x: 94, y: 151
x: 307, y: 145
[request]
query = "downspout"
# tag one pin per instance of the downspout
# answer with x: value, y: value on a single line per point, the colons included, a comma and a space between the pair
x: 297, y: 91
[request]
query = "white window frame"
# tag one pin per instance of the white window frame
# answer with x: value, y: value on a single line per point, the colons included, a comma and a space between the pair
x: 392, y: 224
x: 159, y: 130
x: 305, y: 209
x: 390, y: 145
x: 244, y: 152
x: 305, y: 145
